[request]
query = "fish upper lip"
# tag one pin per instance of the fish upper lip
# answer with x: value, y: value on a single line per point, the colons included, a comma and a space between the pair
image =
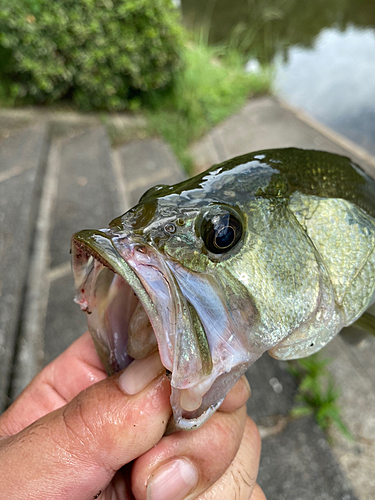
x: 126, y: 255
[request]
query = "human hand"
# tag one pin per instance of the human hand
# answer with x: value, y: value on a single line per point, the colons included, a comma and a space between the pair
x: 76, y: 434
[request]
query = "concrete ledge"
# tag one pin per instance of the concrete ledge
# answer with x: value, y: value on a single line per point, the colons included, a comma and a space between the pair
x: 146, y: 163
x: 297, y: 464
x: 266, y: 123
x: 22, y: 160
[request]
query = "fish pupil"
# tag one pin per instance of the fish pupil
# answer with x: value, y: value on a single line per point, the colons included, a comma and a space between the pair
x: 221, y: 233
x: 225, y: 237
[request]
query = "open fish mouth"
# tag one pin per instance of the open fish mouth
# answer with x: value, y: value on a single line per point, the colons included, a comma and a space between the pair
x: 137, y: 302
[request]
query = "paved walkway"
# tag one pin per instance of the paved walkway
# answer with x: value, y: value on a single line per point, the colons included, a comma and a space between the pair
x: 61, y: 175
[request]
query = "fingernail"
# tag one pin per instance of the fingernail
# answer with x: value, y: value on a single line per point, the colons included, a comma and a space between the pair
x: 172, y: 481
x: 140, y: 373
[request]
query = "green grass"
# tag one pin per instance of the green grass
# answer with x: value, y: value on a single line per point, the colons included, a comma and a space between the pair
x: 317, y: 394
x: 212, y: 85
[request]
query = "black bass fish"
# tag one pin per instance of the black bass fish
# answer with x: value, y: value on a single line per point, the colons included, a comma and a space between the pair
x: 270, y: 251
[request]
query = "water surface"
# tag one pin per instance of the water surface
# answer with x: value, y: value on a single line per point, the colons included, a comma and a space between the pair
x: 334, y: 81
x: 323, y: 51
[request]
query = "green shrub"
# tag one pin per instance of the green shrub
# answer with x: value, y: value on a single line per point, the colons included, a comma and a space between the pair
x: 96, y: 53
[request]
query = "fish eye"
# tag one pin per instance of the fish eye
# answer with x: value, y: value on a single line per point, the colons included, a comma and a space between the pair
x: 221, y: 232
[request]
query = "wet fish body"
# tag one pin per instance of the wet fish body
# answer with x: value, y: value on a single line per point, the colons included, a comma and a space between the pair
x: 270, y: 251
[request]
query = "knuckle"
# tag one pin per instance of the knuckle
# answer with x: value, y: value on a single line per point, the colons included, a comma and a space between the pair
x: 87, y: 424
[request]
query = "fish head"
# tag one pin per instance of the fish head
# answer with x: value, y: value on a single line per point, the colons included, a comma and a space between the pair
x: 156, y: 278
x: 210, y: 272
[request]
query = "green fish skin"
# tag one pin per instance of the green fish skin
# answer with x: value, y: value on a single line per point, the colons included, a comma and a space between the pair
x: 270, y: 251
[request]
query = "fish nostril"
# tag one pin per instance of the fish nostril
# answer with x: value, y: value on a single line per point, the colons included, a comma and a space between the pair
x: 170, y: 228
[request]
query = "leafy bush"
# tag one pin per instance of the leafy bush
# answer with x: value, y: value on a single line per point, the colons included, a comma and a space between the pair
x: 97, y: 53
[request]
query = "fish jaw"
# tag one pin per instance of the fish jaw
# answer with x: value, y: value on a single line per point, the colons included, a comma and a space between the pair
x: 232, y: 350
x: 195, y: 334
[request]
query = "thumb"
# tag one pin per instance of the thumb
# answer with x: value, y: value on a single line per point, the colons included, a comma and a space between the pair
x: 75, y: 451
